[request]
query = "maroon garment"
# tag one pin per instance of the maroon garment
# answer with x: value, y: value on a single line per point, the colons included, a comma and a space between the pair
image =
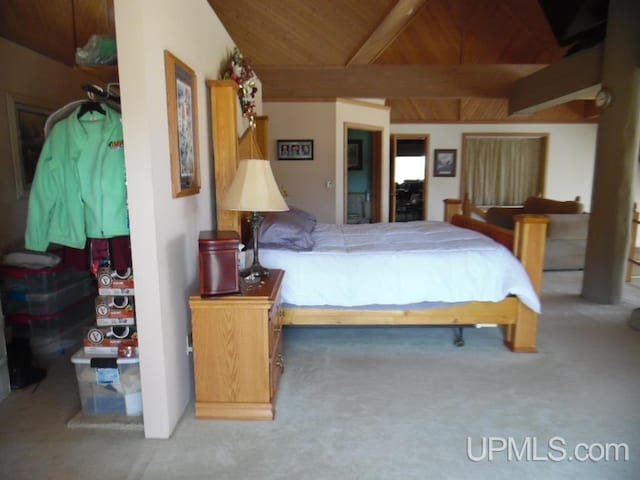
x: 121, y: 253
x: 115, y: 252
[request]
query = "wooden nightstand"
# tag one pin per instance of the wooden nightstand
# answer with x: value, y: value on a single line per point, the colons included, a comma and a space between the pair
x: 237, y: 351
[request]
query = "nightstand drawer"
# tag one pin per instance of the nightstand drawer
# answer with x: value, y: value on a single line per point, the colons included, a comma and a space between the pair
x: 277, y: 367
x: 275, y: 323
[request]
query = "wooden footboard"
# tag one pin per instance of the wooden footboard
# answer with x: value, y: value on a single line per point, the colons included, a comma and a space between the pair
x: 527, y: 241
x: 501, y: 313
x: 520, y: 324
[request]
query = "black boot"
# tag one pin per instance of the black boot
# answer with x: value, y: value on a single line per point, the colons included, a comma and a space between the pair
x: 22, y: 373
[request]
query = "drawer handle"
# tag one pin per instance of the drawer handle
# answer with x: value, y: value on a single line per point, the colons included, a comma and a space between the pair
x: 280, y: 361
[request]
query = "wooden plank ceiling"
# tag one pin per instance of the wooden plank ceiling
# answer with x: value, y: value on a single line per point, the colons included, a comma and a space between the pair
x: 55, y: 28
x: 431, y: 60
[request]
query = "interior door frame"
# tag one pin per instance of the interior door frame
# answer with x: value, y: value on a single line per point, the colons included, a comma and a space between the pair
x: 376, y: 169
x: 392, y: 163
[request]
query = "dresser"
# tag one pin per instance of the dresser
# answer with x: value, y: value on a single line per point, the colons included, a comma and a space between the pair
x: 237, y: 351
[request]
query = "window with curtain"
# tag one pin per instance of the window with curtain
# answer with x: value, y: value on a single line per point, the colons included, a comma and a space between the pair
x: 503, y: 170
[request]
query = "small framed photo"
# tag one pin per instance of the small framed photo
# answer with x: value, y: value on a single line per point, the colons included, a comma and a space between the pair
x: 27, y: 119
x: 182, y: 110
x: 354, y: 154
x: 295, y: 149
x: 444, y: 163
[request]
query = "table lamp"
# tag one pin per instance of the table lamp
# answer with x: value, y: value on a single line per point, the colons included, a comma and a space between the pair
x: 254, y: 190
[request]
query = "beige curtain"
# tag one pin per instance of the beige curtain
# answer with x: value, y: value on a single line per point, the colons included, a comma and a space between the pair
x: 502, y: 171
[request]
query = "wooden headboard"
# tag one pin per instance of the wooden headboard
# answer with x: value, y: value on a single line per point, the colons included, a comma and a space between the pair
x: 228, y: 148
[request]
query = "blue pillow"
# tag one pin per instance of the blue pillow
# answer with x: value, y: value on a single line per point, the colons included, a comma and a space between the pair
x: 289, y: 230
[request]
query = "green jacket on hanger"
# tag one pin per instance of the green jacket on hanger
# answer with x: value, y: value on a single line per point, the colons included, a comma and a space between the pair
x: 79, y: 188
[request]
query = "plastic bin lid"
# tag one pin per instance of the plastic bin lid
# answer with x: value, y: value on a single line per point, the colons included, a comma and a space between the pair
x: 85, y: 359
x: 27, y: 318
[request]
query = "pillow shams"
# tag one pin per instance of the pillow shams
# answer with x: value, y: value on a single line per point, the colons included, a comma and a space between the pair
x: 289, y: 230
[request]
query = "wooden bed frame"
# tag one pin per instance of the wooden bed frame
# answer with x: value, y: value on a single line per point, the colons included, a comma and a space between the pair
x: 527, y: 241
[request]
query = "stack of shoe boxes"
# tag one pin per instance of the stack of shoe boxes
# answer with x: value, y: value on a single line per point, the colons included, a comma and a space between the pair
x: 107, y: 368
x: 114, y: 332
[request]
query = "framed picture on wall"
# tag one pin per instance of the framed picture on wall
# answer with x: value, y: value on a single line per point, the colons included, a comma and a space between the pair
x: 295, y: 149
x: 354, y: 154
x: 444, y: 163
x: 182, y: 110
x: 27, y: 118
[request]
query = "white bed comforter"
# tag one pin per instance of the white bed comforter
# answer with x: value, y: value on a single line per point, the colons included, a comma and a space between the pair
x: 399, y: 264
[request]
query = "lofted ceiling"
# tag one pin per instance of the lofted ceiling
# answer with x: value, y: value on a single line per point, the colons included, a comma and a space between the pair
x: 431, y: 60
x: 55, y: 28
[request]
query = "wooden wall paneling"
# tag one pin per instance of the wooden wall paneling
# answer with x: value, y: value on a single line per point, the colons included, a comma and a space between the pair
x: 482, y: 109
x: 423, y: 109
x: 392, y: 81
x: 433, y: 37
x: 391, y: 26
x: 45, y: 27
x: 573, y: 111
x: 340, y: 25
x: 93, y: 17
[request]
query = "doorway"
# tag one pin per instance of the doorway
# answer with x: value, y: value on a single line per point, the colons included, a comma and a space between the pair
x: 408, y: 187
x: 363, y: 154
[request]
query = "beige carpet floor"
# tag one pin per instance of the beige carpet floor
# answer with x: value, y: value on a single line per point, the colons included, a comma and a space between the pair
x: 382, y: 403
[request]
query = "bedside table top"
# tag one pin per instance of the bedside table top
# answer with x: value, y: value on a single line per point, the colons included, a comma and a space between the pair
x: 266, y: 290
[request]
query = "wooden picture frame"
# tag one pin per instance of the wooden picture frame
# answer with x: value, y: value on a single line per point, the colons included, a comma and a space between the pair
x: 295, y: 149
x: 27, y: 118
x: 182, y: 110
x: 354, y: 154
x: 444, y: 163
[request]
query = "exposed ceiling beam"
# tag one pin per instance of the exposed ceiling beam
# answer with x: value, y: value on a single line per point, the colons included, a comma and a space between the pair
x: 572, y: 78
x: 391, y: 81
x: 392, y: 25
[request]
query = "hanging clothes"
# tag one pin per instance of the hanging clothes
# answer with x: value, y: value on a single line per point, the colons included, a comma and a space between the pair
x: 79, y: 188
x: 110, y: 96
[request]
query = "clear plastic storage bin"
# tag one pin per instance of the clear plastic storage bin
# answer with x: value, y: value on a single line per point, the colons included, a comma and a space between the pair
x: 48, y: 303
x: 52, y: 325
x: 108, y: 385
x: 55, y: 335
x: 39, y: 280
x: 46, y: 348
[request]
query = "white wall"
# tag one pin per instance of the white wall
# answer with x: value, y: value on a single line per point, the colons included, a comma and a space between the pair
x: 164, y: 230
x: 324, y: 122
x: 305, y: 181
x: 570, y: 166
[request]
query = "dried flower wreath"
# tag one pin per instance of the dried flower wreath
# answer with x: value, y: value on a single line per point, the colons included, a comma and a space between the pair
x: 240, y: 71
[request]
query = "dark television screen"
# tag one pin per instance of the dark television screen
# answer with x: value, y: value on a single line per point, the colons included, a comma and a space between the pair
x: 581, y: 22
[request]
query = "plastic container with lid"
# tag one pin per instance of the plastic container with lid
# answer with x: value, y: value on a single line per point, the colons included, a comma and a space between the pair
x: 53, y: 325
x: 47, y: 348
x: 49, y: 302
x: 108, y: 385
x: 45, y: 279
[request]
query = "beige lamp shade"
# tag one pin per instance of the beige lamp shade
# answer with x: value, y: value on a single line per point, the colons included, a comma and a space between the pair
x: 254, y: 189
